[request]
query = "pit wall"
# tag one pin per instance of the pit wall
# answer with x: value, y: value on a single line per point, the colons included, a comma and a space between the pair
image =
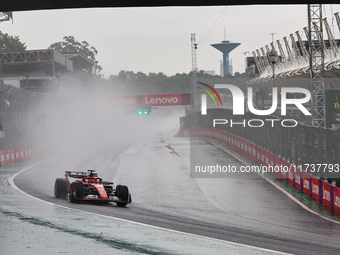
x: 13, y: 156
x: 319, y: 190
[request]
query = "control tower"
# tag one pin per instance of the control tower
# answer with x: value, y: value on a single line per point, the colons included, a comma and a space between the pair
x: 225, y: 47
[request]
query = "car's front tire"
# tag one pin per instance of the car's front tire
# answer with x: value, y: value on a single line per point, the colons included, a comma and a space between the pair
x: 75, y: 192
x: 122, y: 192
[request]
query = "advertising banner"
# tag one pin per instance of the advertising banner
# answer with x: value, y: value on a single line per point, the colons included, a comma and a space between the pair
x: 258, y: 155
x: 336, y: 192
x: 238, y: 140
x: 161, y: 100
x: 242, y: 148
x: 227, y: 137
x: 284, y: 172
x: 22, y: 154
x: 12, y: 156
x: 233, y: 142
x: 298, y: 176
x: 272, y: 160
x: 316, y: 189
x: 26, y: 153
x: 291, y: 174
x: 123, y: 101
x: 8, y: 156
x: 2, y: 158
x: 267, y: 158
x: 307, y: 184
x: 17, y: 155
x: 254, y: 154
x: 326, y: 194
x: 247, y: 150
x: 263, y: 157
x: 278, y: 164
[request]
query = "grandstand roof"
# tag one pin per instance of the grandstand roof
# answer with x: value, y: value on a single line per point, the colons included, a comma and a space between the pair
x: 80, y: 61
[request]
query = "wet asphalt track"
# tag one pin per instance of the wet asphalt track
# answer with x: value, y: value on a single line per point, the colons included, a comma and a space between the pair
x: 244, y: 210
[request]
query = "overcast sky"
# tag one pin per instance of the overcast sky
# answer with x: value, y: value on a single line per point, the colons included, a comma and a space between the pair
x: 158, y: 39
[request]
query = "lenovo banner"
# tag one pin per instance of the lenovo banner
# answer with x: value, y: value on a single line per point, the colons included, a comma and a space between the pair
x: 162, y: 100
x: 124, y: 101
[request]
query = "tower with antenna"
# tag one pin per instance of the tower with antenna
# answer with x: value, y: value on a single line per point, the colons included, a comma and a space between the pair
x: 225, y: 47
x: 193, y: 57
x: 196, y: 102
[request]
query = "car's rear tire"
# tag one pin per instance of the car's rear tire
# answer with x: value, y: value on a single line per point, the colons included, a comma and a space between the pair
x: 61, y: 188
x: 76, y: 192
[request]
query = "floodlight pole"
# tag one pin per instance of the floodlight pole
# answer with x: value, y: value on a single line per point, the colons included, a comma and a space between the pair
x: 2, y: 105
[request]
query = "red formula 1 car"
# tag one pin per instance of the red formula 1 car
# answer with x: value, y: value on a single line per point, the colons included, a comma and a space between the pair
x: 89, y: 187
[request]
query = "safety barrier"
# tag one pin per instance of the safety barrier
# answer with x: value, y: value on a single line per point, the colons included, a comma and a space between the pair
x: 320, y: 190
x: 22, y: 119
x: 298, y: 144
x: 12, y: 156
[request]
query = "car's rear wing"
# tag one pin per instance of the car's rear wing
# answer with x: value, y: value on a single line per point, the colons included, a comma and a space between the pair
x: 89, y: 173
x: 74, y: 174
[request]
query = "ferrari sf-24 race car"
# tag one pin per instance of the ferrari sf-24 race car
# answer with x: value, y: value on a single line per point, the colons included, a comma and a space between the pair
x: 89, y: 187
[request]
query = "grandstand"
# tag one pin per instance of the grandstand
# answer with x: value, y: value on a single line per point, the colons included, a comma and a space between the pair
x: 292, y: 68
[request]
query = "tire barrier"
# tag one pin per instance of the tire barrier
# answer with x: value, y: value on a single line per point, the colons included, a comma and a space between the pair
x: 319, y: 190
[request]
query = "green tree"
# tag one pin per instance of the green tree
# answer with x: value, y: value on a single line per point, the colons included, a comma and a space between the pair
x: 70, y: 45
x: 9, y: 43
x: 153, y: 83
